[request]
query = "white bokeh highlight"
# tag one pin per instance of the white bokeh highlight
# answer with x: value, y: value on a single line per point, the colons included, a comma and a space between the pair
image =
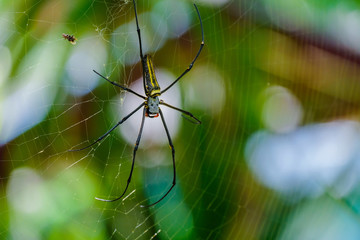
x: 30, y: 98
x: 282, y: 111
x: 7, y: 19
x: 321, y: 219
x: 344, y: 26
x: 176, y: 16
x: 26, y: 191
x: 291, y: 15
x: 5, y: 64
x: 90, y: 53
x: 205, y: 89
x: 307, y: 161
x: 125, y: 40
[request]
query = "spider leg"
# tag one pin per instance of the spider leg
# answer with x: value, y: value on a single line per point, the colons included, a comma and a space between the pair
x: 138, y: 31
x: 173, y: 159
x: 120, y: 86
x: 108, y: 132
x: 140, y: 45
x: 133, y: 161
x: 192, y: 119
x: 197, y: 55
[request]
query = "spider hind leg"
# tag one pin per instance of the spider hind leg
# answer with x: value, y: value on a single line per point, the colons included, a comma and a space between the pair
x: 173, y: 162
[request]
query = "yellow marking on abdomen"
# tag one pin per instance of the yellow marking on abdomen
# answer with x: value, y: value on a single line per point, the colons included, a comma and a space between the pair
x: 153, y: 80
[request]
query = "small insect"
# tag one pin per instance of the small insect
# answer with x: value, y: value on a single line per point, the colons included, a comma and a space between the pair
x: 151, y: 106
x: 70, y: 38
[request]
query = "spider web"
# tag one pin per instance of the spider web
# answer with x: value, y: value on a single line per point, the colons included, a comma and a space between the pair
x: 271, y: 87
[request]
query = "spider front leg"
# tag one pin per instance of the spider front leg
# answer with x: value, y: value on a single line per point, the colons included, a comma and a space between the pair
x: 138, y: 31
x: 120, y: 86
x: 197, y: 55
x: 133, y: 161
x: 108, y: 132
x: 173, y: 159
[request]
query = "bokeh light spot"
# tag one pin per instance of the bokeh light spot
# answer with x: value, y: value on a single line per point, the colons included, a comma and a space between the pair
x: 87, y: 55
x: 282, y: 112
x: 205, y: 89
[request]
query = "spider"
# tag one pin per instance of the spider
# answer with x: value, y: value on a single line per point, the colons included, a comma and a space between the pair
x: 150, y: 106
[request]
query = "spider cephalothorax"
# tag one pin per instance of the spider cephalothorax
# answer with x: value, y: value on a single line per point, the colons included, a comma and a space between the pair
x: 152, y: 107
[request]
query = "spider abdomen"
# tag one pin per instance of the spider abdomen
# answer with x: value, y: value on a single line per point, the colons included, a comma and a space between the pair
x: 152, y: 87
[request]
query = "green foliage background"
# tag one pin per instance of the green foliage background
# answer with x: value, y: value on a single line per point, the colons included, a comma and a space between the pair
x: 48, y: 193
